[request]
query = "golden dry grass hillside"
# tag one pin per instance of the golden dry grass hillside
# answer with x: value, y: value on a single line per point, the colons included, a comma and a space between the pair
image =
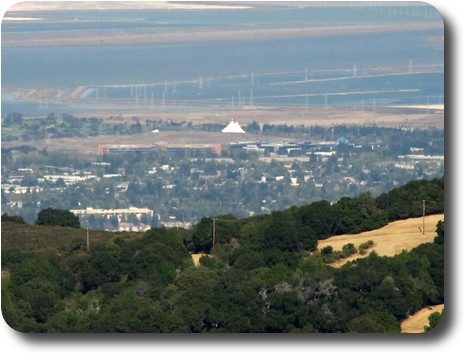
x: 388, y: 240
x: 415, y: 323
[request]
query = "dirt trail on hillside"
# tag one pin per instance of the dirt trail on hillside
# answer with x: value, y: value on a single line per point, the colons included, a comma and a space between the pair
x: 388, y: 240
x: 415, y: 323
x: 196, y: 259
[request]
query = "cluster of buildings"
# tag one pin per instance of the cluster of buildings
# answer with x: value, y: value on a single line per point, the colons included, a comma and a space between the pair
x: 282, y: 148
x: 305, y: 168
x: 285, y: 147
x: 122, y: 215
x: 175, y: 148
x: 232, y: 128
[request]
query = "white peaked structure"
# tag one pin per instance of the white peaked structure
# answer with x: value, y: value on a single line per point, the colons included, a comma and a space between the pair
x: 233, y: 127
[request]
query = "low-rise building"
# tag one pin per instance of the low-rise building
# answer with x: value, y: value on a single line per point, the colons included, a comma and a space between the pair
x: 190, y: 148
x: 68, y: 179
x: 104, y: 149
x: 118, y: 212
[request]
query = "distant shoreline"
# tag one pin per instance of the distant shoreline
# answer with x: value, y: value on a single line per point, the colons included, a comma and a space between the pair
x: 187, y: 5
x: 155, y: 36
x: 123, y: 5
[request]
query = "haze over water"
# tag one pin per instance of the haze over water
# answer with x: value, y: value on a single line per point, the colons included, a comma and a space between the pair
x: 355, y: 69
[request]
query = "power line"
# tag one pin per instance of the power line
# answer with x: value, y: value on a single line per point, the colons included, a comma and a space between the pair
x: 214, y: 228
x: 423, y: 213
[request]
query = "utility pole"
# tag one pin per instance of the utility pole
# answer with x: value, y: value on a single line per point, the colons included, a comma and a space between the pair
x: 214, y: 232
x: 423, y: 217
x: 88, y: 244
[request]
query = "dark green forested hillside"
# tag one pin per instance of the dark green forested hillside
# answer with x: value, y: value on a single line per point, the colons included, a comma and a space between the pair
x: 262, y: 274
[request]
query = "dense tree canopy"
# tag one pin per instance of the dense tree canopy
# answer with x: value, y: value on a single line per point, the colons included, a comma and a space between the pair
x: 407, y: 201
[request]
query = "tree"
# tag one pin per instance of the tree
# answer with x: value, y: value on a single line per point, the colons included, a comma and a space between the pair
x: 440, y: 238
x: 286, y: 313
x: 434, y: 320
x: 14, y: 219
x: 202, y: 235
x: 253, y: 128
x: 358, y: 214
x: 381, y: 322
x: 319, y: 216
x: 197, y: 299
x: 327, y: 250
x: 406, y: 201
x: 13, y: 118
x: 102, y: 266
x: 286, y: 233
x: 58, y: 218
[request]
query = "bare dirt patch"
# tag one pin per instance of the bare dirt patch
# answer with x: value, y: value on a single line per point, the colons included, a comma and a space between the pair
x: 389, y: 240
x: 196, y: 258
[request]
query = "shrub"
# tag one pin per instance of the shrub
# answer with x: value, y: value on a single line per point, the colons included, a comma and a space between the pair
x: 327, y: 250
x: 366, y: 245
x: 348, y: 250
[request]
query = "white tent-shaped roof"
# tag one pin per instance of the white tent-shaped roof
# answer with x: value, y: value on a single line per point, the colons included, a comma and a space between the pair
x: 233, y: 127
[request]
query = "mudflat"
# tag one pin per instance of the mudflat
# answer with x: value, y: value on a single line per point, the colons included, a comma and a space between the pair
x: 142, y: 36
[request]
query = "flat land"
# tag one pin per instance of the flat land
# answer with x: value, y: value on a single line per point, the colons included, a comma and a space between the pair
x: 417, y: 117
x: 389, y: 240
x: 89, y: 145
x: 415, y: 323
x: 422, y: 118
